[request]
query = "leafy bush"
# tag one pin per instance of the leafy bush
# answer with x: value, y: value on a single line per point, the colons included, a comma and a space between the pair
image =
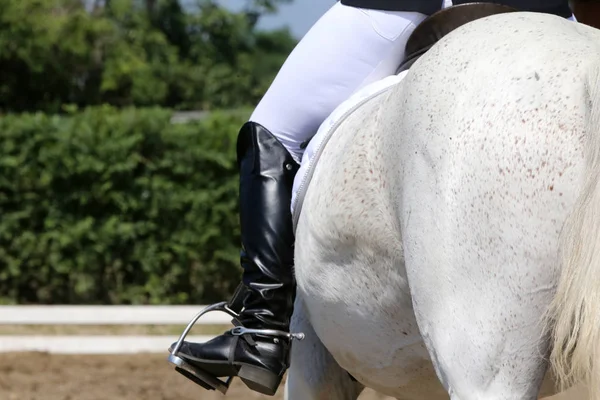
x: 111, y: 206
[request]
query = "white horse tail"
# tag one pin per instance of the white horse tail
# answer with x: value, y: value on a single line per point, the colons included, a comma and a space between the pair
x: 574, y: 314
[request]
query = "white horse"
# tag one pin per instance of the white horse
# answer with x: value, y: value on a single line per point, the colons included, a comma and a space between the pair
x: 451, y: 228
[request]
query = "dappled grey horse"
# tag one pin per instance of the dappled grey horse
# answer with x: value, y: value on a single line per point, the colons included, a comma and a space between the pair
x: 448, y: 238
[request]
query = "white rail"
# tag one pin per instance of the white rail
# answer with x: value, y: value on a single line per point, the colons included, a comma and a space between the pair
x: 101, y: 315
x: 107, y: 315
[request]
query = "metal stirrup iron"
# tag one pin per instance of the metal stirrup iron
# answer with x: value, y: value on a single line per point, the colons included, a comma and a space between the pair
x: 233, y: 308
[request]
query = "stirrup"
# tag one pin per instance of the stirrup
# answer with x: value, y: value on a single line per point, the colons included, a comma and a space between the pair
x: 196, y: 375
x: 232, y: 308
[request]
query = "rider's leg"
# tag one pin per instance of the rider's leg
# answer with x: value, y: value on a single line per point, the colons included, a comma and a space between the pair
x: 345, y: 50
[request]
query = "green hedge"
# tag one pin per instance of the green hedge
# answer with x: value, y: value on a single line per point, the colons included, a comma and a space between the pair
x: 111, y: 206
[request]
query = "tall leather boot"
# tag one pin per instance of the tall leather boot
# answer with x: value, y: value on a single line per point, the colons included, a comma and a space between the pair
x: 261, y: 357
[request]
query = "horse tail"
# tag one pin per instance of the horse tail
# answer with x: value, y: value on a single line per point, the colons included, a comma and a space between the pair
x: 574, y: 313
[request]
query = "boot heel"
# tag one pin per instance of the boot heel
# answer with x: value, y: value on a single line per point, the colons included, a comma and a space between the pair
x: 260, y: 380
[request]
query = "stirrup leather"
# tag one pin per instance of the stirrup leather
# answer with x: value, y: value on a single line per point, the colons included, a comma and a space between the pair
x: 234, y: 307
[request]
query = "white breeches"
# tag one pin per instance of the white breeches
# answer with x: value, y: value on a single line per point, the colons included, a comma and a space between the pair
x: 345, y: 50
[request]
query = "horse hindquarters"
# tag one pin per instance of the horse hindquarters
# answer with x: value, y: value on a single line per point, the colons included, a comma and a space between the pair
x: 481, y: 279
x: 491, y: 174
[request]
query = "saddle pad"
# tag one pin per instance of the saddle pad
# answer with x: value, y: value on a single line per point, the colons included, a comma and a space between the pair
x: 326, y: 130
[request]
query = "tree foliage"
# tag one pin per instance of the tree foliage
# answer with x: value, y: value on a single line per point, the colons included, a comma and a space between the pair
x: 131, y: 52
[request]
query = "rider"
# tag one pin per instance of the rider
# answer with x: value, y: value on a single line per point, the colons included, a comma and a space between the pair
x: 354, y: 43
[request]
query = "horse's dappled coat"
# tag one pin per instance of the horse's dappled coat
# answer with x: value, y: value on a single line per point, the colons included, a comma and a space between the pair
x: 430, y: 232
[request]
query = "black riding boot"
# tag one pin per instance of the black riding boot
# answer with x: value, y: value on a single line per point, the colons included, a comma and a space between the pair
x: 260, y: 359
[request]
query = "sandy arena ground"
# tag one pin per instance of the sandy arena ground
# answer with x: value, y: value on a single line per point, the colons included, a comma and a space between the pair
x: 42, y: 376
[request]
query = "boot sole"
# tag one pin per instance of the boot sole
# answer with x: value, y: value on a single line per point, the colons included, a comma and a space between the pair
x: 255, y: 378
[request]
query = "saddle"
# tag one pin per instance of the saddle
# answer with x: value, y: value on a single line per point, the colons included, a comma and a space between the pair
x: 441, y: 23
